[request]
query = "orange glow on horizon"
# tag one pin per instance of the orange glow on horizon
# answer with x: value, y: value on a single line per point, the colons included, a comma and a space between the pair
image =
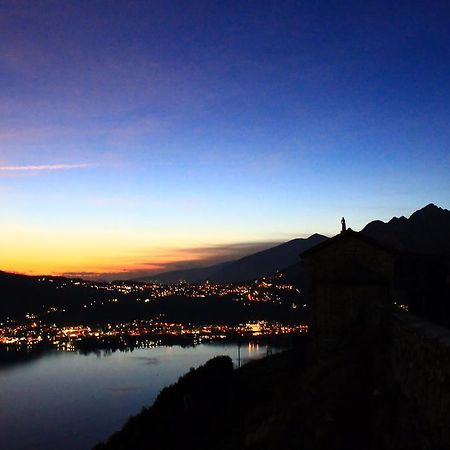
x: 56, y: 250
x: 95, y: 256
x: 81, y: 261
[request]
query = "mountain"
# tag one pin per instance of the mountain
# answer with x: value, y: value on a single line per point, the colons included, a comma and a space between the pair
x: 256, y: 265
x: 426, y: 231
x: 266, y: 262
x: 190, y: 275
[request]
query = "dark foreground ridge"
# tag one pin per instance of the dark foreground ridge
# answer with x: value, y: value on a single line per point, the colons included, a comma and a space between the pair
x: 352, y: 400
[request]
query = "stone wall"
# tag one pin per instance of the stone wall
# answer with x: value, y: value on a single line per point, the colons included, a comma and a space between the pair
x: 421, y: 368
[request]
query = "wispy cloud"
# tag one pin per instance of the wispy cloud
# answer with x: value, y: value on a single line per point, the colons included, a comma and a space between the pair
x: 44, y: 167
x: 196, y: 257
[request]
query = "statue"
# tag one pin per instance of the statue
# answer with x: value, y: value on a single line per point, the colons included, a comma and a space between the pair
x: 344, y: 226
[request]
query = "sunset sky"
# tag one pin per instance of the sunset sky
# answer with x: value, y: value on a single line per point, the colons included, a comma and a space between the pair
x: 142, y: 136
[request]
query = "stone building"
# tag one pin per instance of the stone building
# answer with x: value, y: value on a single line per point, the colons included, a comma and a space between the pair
x: 351, y: 280
x: 354, y: 283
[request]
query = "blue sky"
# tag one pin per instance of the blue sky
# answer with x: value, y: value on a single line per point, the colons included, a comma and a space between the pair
x: 139, y: 135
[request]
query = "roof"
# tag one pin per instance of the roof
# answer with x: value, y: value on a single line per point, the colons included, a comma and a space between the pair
x: 346, y: 234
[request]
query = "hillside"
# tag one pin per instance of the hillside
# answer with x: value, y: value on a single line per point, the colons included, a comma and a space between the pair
x: 72, y: 301
x: 23, y: 294
x: 345, y: 403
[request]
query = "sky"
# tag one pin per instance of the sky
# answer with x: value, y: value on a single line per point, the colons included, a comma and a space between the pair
x: 143, y: 136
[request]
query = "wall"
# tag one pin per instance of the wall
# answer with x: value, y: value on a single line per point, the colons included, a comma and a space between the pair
x: 421, y: 367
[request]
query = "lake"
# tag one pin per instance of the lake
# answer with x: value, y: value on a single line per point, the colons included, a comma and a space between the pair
x: 72, y: 401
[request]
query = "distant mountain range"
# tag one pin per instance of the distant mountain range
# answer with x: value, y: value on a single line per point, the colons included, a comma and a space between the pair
x: 426, y: 231
x: 266, y: 262
x: 257, y: 265
x: 190, y: 275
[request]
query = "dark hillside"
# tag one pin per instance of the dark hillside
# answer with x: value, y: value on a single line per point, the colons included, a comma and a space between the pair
x: 21, y: 294
x: 346, y: 402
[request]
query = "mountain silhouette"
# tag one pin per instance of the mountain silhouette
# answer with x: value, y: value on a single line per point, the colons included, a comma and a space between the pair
x: 266, y: 262
x: 256, y: 265
x: 191, y: 275
x: 427, y: 231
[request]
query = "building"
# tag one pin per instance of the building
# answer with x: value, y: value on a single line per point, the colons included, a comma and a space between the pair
x: 351, y: 281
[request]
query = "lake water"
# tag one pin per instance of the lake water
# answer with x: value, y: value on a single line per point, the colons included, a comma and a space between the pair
x: 72, y: 401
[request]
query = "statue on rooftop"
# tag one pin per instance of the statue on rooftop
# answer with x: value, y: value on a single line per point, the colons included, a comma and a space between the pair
x: 344, y: 226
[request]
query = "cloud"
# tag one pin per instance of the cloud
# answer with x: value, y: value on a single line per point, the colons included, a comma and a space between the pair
x: 44, y: 167
x: 217, y: 253
x: 85, y: 275
x: 196, y: 257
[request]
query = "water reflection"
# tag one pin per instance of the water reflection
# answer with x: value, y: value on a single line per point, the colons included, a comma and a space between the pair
x: 148, y: 360
x: 57, y: 400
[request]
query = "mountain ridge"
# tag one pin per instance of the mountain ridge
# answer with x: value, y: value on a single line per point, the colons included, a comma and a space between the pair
x: 267, y: 262
x: 263, y: 263
x: 191, y: 275
x: 426, y: 231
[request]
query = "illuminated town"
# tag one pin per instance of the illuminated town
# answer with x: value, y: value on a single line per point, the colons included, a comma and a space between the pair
x: 137, y: 333
x: 41, y: 329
